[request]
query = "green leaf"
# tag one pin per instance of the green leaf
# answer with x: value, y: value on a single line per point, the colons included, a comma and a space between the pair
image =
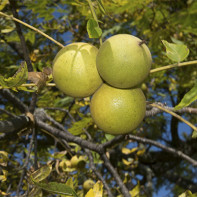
x: 41, y: 173
x: 101, y: 7
x: 94, y: 31
x: 3, y: 3
x: 18, y: 79
x: 188, y: 98
x: 78, y: 127
x: 188, y: 193
x: 176, y: 52
x: 57, y: 188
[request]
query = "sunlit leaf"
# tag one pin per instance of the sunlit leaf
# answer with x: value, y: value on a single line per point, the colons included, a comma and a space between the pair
x: 127, y: 151
x: 18, y: 79
x: 141, y: 152
x: 94, y: 31
x: 176, y: 52
x: 41, y: 173
x: 3, y: 3
x: 3, y: 158
x: 4, y: 176
x: 188, y: 98
x: 135, y: 191
x: 96, y: 191
x: 57, y: 188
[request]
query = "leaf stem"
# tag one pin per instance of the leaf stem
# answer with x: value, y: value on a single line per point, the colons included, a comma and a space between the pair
x: 173, y: 66
x: 33, y: 28
x: 175, y: 115
x: 94, y: 16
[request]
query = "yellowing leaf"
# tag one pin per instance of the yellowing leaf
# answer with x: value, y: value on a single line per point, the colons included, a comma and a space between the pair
x: 127, y: 162
x: 96, y: 191
x: 3, y: 3
x: 135, y: 191
x: 127, y: 151
x: 41, y: 173
x: 141, y: 152
x: 4, y: 176
x: 3, y: 158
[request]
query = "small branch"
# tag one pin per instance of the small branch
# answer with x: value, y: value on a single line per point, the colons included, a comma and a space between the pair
x: 20, y: 34
x: 7, y: 112
x: 32, y: 85
x: 70, y: 138
x: 175, y: 115
x: 100, y: 177
x: 33, y: 28
x: 14, y: 100
x: 173, y: 66
x: 155, y: 110
x: 114, y: 141
x: 116, y: 176
x: 167, y: 149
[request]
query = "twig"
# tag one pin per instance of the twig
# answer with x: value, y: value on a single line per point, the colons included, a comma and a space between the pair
x: 116, y: 176
x: 175, y: 115
x: 167, y: 149
x: 173, y: 66
x: 33, y: 28
x: 20, y: 34
x: 7, y: 112
x: 112, y: 142
x: 97, y: 173
x: 155, y: 110
x: 14, y: 100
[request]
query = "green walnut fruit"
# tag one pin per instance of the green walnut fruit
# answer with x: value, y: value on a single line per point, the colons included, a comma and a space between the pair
x: 117, y: 111
x: 124, y: 61
x: 74, y: 70
x: 88, y: 184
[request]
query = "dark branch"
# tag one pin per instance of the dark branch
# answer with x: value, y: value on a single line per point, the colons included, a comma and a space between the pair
x: 14, y: 100
x: 98, y: 174
x: 14, y: 124
x: 116, y: 176
x: 20, y: 34
x: 168, y: 149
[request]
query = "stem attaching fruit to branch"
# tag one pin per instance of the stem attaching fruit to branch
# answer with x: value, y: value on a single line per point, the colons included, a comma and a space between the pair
x: 33, y: 28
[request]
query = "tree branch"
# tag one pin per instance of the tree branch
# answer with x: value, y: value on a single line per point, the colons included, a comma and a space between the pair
x: 100, y: 177
x: 20, y: 34
x: 116, y: 176
x: 168, y: 149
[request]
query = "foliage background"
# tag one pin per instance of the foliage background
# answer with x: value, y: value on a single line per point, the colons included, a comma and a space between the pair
x: 65, y: 21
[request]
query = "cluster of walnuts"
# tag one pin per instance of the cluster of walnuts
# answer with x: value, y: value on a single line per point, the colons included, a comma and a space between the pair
x: 111, y: 75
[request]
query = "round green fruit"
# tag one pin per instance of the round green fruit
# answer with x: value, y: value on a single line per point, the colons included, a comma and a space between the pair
x: 117, y: 111
x: 74, y: 70
x: 88, y: 184
x: 124, y: 61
